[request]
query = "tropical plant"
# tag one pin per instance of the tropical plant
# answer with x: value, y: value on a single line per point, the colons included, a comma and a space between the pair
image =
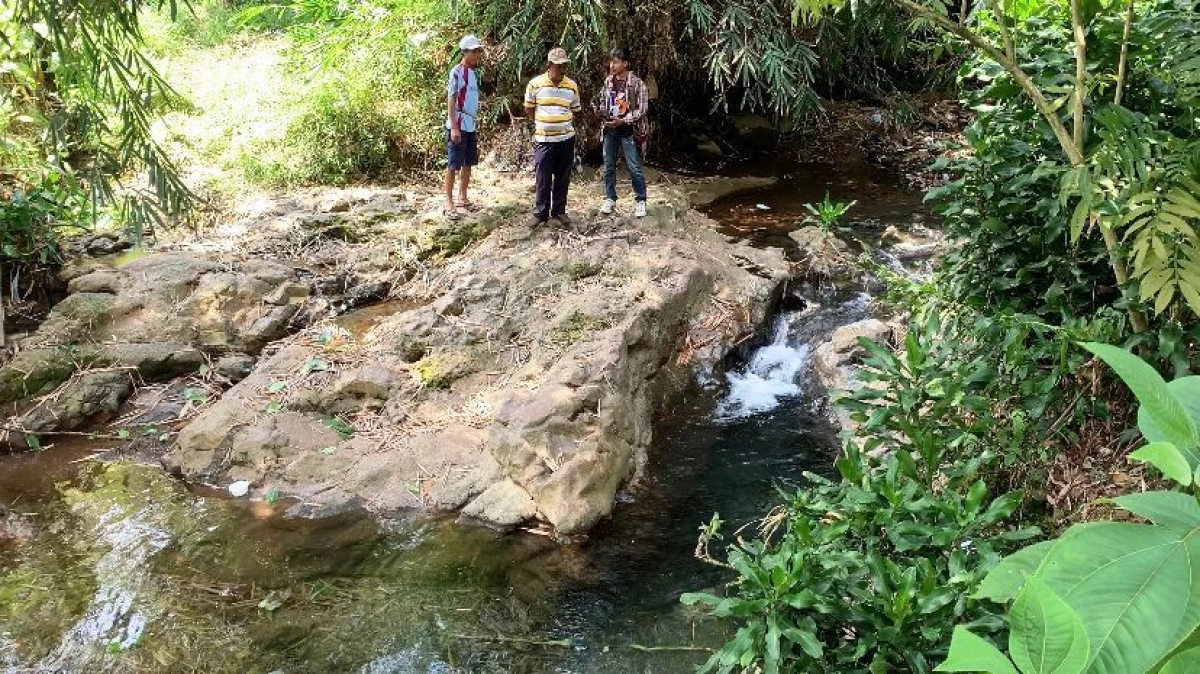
x: 827, y: 213
x: 1111, y: 597
x: 866, y: 574
x: 1101, y: 190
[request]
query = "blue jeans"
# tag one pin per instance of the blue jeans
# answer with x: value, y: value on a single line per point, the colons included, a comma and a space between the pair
x: 633, y: 160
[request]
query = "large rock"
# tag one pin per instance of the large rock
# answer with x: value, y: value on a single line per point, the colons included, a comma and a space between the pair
x: 173, y: 297
x: 519, y: 381
x: 836, y: 360
x: 89, y: 399
x: 756, y: 132
x: 40, y: 370
x: 823, y: 253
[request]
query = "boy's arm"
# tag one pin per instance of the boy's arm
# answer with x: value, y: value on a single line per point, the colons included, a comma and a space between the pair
x: 452, y: 104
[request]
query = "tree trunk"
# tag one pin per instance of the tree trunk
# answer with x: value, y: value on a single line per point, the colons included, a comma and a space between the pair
x: 3, y: 343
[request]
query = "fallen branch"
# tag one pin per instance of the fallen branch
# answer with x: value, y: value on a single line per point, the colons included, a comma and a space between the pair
x: 557, y: 643
x: 659, y: 649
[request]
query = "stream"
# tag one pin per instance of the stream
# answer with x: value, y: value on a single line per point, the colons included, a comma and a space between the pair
x: 133, y: 571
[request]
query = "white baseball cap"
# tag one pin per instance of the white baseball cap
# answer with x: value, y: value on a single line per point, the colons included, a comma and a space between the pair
x: 470, y: 43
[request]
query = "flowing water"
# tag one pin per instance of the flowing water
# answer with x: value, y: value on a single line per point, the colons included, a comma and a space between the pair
x: 122, y: 569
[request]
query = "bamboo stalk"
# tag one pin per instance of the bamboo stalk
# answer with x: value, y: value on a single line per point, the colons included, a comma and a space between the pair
x: 1077, y: 30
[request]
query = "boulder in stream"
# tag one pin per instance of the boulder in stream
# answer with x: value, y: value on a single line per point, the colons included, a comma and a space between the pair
x: 517, y: 381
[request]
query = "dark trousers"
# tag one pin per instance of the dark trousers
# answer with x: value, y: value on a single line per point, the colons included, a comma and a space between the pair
x: 552, y: 163
x: 624, y: 140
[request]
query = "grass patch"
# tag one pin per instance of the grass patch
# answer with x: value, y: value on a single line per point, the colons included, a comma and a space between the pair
x: 575, y: 327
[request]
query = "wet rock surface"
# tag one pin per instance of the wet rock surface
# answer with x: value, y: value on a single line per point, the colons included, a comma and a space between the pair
x: 514, y: 375
x: 517, y: 383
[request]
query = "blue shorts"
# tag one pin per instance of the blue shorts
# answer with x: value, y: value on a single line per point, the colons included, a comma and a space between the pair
x: 465, y: 154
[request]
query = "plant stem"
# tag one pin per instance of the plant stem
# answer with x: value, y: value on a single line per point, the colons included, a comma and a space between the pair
x: 1077, y: 30
x: 1000, y: 9
x: 1123, y: 65
x: 657, y: 649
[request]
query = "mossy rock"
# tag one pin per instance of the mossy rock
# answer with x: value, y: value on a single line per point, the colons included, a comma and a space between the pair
x: 433, y: 373
x: 444, y: 241
x: 576, y: 326
x: 39, y: 371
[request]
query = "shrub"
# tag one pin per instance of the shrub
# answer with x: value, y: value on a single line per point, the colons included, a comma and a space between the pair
x: 868, y: 573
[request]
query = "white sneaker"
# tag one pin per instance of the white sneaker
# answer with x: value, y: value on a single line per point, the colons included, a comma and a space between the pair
x: 639, y: 210
x: 607, y: 207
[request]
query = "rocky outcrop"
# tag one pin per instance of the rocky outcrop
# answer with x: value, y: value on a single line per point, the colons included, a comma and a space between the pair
x: 517, y: 382
x: 836, y: 359
x: 513, y: 374
x: 822, y: 252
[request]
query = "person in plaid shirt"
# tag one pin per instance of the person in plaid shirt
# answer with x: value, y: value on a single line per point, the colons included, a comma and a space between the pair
x: 623, y: 103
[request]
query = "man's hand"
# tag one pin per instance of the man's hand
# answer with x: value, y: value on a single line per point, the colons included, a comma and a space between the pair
x: 455, y: 136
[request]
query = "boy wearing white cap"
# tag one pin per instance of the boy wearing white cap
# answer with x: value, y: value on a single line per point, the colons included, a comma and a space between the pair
x: 462, y: 146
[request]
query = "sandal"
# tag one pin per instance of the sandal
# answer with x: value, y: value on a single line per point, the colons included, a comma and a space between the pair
x: 470, y: 207
x: 451, y: 214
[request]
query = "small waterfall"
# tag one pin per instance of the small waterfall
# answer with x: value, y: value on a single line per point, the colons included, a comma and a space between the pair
x: 771, y: 376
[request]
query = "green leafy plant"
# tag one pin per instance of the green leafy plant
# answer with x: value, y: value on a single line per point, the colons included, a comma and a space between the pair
x: 1111, y: 597
x: 826, y: 213
x: 869, y: 573
x: 339, y: 426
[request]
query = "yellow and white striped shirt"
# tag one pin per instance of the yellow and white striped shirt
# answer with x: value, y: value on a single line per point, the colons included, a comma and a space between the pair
x: 554, y: 108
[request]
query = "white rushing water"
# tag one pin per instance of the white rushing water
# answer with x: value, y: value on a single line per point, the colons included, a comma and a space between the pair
x: 771, y: 376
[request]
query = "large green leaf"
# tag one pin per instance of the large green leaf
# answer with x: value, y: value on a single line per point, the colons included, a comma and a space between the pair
x: 1168, y: 508
x: 1168, y: 420
x: 969, y: 653
x: 1187, y: 662
x: 1046, y: 636
x: 1187, y: 391
x: 1167, y: 458
x: 1135, y: 586
x: 1004, y: 582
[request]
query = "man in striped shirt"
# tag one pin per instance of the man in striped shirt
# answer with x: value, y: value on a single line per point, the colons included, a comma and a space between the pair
x: 552, y: 99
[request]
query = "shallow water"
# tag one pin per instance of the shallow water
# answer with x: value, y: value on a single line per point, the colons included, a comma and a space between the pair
x: 132, y: 571
x: 880, y: 203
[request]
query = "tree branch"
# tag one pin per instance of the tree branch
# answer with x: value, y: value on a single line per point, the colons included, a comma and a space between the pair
x: 1074, y: 155
x: 1001, y: 11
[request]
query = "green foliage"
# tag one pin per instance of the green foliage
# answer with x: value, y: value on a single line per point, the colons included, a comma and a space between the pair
x: 373, y: 74
x: 1118, y: 597
x: 33, y: 218
x: 1011, y: 228
x: 868, y: 574
x: 827, y: 213
x: 874, y: 50
x: 79, y: 100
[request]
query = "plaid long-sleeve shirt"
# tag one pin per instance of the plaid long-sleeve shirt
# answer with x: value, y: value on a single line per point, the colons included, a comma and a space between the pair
x: 632, y: 104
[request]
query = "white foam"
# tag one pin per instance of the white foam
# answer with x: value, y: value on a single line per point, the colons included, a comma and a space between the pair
x: 767, y: 380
